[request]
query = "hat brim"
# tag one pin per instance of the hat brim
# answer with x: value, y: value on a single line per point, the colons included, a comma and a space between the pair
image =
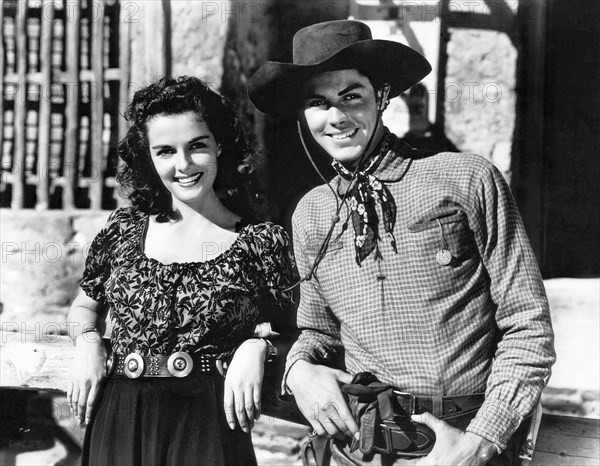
x: 275, y: 87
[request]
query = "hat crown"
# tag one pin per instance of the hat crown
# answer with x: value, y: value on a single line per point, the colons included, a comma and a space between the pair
x: 318, y: 42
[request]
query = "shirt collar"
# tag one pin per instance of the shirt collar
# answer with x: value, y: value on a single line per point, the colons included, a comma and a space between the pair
x: 392, y: 168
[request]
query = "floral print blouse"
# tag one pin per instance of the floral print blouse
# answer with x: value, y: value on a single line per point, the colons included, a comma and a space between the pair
x: 208, y: 307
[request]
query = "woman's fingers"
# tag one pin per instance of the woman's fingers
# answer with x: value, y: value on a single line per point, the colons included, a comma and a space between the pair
x: 229, y: 407
x: 74, y: 399
x: 82, y: 403
x: 240, y: 410
x: 91, y: 401
x: 257, y: 404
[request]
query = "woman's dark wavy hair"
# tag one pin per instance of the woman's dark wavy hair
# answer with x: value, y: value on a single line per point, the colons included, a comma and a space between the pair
x: 137, y: 177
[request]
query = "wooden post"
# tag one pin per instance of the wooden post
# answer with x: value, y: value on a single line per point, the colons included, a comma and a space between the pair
x: 97, y: 108
x: 18, y: 180
x: 125, y: 68
x: 155, y: 43
x: 528, y: 149
x: 71, y: 165
x: 2, y: 184
x: 43, y: 169
x: 440, y: 112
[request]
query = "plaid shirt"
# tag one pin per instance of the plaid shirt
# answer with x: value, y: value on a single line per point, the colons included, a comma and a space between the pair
x: 479, y: 324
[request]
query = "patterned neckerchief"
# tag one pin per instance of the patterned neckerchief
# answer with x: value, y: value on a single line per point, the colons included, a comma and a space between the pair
x: 366, y: 190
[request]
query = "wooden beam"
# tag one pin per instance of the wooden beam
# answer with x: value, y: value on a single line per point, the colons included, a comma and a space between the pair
x: 125, y: 69
x: 97, y: 106
x: 440, y: 103
x: 43, y: 162
x: 2, y: 184
x: 20, y: 96
x: 154, y: 43
x: 71, y: 165
x: 527, y: 165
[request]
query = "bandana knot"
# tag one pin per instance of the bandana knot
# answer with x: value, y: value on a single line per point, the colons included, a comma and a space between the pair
x: 363, y: 196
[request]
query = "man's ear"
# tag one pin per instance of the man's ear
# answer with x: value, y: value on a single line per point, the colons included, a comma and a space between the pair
x: 382, y: 97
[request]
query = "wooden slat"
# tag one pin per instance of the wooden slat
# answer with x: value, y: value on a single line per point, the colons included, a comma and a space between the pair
x: 97, y: 104
x: 527, y: 158
x: 1, y: 91
x: 125, y: 69
x: 43, y: 169
x: 154, y: 43
x: 110, y: 74
x: 71, y: 167
x: 18, y: 186
x: 568, y: 440
x: 440, y: 104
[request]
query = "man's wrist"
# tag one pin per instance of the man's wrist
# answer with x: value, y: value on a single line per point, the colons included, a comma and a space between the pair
x: 293, y: 369
x: 486, y: 449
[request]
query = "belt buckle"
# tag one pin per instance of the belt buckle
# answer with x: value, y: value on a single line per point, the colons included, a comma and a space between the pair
x: 386, y: 433
x: 180, y: 364
x: 411, y: 401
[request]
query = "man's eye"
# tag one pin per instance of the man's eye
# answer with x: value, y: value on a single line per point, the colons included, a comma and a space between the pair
x: 316, y: 103
x: 351, y: 97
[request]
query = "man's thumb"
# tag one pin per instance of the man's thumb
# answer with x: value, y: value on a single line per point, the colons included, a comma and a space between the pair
x: 426, y: 418
x: 344, y: 377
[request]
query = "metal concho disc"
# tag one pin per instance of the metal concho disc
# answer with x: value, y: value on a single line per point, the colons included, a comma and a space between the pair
x: 134, y: 366
x: 180, y: 364
x: 443, y: 257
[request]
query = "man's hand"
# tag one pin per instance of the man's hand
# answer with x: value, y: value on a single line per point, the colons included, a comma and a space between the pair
x: 453, y: 446
x: 319, y: 398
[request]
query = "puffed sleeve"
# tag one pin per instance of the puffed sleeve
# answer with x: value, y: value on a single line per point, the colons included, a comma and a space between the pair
x: 98, y: 263
x: 276, y: 269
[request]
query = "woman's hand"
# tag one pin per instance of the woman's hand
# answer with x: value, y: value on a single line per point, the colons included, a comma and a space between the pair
x: 243, y: 384
x: 87, y: 373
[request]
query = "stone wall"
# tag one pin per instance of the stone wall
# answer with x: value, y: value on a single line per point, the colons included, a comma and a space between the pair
x: 43, y: 254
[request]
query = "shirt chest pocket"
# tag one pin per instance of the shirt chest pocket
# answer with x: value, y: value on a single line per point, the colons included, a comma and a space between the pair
x: 442, y: 237
x: 313, y: 249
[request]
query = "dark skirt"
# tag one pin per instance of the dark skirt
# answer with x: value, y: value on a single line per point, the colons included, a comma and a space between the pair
x: 164, y: 422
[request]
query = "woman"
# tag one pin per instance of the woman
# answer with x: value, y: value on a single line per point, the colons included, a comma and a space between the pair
x: 186, y: 281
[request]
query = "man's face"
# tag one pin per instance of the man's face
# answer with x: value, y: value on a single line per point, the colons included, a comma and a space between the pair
x: 340, y: 108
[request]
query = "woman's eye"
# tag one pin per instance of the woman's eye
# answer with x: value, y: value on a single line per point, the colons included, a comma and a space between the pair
x: 197, y: 145
x: 165, y: 151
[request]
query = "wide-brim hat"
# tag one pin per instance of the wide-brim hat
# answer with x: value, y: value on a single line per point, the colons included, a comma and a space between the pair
x: 330, y: 46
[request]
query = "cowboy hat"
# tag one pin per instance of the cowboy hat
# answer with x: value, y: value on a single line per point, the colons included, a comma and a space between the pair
x: 330, y: 46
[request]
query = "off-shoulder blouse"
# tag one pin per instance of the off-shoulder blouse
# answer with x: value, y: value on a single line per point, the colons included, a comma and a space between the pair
x: 208, y: 307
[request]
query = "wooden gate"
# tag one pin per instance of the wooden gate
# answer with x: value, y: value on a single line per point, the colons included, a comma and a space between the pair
x: 65, y: 83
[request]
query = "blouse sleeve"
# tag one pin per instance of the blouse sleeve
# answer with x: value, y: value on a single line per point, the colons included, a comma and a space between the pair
x: 98, y: 263
x: 276, y: 269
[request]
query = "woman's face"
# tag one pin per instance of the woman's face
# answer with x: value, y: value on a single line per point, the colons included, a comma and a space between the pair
x: 184, y: 153
x: 340, y: 108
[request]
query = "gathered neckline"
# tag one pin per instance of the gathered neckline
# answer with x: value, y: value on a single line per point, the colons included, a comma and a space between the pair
x: 142, y: 227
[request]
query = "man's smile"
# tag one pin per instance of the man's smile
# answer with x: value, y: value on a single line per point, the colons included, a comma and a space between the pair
x: 343, y: 136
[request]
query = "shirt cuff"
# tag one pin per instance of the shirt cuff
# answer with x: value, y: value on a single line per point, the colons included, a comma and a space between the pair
x: 292, y: 359
x: 496, y: 421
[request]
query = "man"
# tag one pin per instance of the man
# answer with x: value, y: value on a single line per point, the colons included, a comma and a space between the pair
x: 422, y: 134
x: 417, y: 270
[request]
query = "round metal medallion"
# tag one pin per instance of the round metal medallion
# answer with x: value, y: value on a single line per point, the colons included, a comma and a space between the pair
x: 443, y: 257
x: 134, y: 366
x: 180, y: 364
